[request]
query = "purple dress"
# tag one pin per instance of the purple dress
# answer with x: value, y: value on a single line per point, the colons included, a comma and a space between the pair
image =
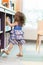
x: 16, y: 35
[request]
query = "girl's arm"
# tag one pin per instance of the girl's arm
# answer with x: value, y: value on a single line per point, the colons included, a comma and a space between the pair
x: 10, y: 24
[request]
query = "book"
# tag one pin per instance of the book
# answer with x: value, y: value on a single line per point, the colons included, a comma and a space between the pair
x: 0, y: 24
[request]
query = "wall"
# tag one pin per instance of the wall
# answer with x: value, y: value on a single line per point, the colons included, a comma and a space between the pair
x: 18, y: 5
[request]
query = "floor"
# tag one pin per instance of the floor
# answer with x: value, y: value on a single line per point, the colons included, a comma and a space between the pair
x: 30, y: 56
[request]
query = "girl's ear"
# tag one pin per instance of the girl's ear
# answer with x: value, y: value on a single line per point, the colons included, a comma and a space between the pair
x: 16, y: 23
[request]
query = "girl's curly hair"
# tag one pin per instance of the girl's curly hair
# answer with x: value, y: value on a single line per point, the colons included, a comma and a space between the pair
x: 20, y: 18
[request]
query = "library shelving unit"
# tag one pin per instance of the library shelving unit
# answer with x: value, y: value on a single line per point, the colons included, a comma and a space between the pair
x: 3, y: 13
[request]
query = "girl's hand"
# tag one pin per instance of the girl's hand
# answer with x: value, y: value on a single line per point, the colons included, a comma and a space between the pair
x: 8, y: 19
x: 9, y: 22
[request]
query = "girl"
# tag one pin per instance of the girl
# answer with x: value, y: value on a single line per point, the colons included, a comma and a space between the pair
x: 16, y: 35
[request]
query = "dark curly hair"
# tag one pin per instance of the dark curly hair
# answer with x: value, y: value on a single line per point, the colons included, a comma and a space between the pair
x: 20, y: 18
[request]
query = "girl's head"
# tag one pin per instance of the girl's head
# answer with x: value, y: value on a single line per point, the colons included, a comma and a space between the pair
x: 20, y: 18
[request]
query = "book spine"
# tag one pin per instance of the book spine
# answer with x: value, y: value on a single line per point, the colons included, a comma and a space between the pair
x: 0, y: 24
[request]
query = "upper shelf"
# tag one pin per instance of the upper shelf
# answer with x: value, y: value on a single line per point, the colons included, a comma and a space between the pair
x: 6, y: 10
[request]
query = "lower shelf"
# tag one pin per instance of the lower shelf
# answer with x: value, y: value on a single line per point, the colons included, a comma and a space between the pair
x: 1, y: 32
x: 7, y: 28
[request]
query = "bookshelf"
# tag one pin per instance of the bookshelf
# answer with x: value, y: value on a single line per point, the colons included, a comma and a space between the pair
x: 3, y: 27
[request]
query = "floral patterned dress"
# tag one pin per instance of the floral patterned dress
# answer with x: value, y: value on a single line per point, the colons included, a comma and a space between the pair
x: 16, y: 35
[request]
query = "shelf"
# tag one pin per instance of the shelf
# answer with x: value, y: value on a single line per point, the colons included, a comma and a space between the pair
x: 6, y: 10
x: 1, y: 32
x: 7, y: 28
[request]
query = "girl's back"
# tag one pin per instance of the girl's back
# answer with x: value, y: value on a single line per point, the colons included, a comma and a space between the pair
x: 17, y: 27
